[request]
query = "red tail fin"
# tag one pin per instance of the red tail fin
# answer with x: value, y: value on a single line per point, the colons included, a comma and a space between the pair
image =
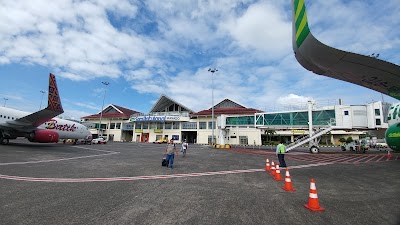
x: 54, y: 102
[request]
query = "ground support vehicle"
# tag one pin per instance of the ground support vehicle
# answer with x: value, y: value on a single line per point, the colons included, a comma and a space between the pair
x: 99, y: 140
x: 357, y: 146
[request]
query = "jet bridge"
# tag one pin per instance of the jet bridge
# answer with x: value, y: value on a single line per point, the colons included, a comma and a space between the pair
x: 319, y: 122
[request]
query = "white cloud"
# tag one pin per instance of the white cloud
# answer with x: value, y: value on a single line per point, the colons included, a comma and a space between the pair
x: 139, y: 74
x: 293, y: 99
x: 263, y: 27
x: 87, y: 105
x: 166, y: 47
x: 74, y: 114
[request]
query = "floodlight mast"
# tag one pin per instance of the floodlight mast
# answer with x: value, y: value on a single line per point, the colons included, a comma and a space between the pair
x: 100, y: 133
x: 212, y: 102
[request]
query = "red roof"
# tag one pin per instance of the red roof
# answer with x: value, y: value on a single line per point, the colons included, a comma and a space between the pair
x: 126, y: 113
x: 227, y: 111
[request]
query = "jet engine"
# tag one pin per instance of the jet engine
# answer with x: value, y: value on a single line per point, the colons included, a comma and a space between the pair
x: 43, y: 136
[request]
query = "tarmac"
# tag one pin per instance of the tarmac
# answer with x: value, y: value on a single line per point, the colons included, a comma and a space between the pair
x: 124, y: 183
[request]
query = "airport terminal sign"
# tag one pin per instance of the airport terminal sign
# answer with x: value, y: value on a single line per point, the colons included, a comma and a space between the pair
x: 154, y: 118
x: 298, y: 131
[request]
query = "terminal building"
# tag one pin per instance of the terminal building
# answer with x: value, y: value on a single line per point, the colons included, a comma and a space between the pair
x: 235, y: 124
x: 114, y: 123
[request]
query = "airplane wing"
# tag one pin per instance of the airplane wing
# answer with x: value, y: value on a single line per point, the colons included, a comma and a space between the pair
x: 321, y: 59
x: 31, y: 121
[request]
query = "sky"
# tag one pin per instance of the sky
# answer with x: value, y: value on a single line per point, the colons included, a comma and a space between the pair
x: 148, y: 48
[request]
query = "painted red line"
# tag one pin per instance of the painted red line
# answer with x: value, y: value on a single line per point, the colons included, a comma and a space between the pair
x: 146, y: 177
x: 332, y: 159
x: 56, y: 160
x: 298, y: 158
x: 346, y: 159
x: 358, y: 159
x: 99, y: 179
x: 180, y: 175
x: 309, y: 165
x: 371, y: 158
x: 380, y: 158
x: 319, y: 159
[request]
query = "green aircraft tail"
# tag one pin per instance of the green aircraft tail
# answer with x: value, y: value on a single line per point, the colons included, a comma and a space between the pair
x: 300, y: 21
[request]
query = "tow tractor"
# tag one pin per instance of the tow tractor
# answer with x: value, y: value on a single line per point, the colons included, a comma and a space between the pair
x: 358, y: 146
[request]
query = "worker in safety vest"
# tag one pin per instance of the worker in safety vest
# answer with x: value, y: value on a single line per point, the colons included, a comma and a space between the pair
x: 280, y: 152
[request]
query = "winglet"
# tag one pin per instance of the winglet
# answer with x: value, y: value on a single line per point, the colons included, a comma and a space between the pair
x: 300, y: 23
x: 54, y: 102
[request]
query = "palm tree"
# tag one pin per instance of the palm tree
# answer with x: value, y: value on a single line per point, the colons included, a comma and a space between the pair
x: 270, y: 134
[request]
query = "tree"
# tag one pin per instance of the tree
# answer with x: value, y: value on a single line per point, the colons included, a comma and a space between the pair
x: 342, y: 140
x: 365, y: 135
x: 349, y: 139
x: 270, y: 134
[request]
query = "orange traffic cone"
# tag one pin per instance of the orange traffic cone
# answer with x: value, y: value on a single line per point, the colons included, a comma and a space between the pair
x: 267, y: 165
x: 272, y: 171
x: 313, y: 203
x: 277, y: 173
x: 389, y: 155
x: 288, y: 182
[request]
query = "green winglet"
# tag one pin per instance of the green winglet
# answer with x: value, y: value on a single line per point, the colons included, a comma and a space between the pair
x: 301, y: 22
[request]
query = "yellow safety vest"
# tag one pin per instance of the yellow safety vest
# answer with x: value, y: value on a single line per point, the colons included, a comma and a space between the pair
x: 281, y: 149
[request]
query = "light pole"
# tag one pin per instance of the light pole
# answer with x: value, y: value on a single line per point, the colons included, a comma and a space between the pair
x: 101, y: 113
x: 41, y: 99
x: 212, y: 102
x: 5, y: 100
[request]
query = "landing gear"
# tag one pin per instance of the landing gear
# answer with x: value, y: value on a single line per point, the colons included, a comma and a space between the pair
x: 3, y: 139
x: 314, y: 149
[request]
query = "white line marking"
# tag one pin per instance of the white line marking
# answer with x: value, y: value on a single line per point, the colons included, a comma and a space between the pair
x: 154, y: 177
x: 63, y: 159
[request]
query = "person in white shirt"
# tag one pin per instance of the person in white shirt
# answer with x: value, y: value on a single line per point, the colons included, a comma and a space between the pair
x: 185, y: 146
x: 170, y: 149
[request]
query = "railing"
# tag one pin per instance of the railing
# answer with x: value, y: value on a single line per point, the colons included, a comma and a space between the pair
x: 308, y: 138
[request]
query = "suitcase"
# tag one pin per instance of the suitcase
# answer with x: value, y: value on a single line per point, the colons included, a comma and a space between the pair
x: 164, y: 162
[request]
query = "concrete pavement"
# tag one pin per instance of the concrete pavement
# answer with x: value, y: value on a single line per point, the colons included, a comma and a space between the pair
x: 124, y: 183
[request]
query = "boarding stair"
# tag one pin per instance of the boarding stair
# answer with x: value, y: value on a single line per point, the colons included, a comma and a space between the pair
x: 310, y: 138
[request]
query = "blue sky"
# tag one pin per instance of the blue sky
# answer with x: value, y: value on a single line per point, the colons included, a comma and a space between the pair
x: 148, y: 48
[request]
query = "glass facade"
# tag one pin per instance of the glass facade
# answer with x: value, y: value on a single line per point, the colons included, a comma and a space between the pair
x: 210, y: 125
x: 240, y: 120
x: 202, y: 125
x: 323, y: 117
x: 189, y: 125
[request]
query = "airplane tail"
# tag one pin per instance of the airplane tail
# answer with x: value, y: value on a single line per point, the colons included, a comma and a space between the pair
x: 300, y: 23
x: 54, y: 108
x: 54, y: 102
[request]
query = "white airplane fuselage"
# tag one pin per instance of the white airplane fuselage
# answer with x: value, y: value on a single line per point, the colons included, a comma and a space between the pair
x: 66, y: 129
